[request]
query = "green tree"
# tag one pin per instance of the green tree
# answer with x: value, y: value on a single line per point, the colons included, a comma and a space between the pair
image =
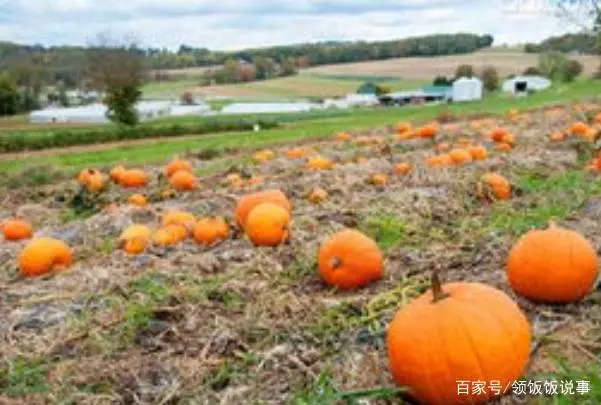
x: 465, y: 71
x: 265, y: 67
x: 288, y: 67
x: 532, y: 71
x: 573, y: 69
x: 490, y: 78
x: 119, y: 72
x: 558, y: 66
x: 9, y: 95
x: 121, y: 103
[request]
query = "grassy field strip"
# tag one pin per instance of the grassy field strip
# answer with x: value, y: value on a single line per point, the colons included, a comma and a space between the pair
x: 159, y: 151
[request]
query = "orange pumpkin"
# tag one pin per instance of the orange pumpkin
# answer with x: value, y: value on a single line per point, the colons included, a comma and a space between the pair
x: 579, y: 128
x: 597, y: 118
x: 403, y: 169
x: 558, y: 136
x: 555, y: 265
x: 178, y: 165
x: 183, y: 181
x: 208, y: 231
x: 349, y: 260
x: 116, y: 174
x: 44, y: 255
x: 135, y: 239
x: 179, y: 218
x: 509, y: 139
x: 404, y: 136
x: 458, y: 332
x: 92, y: 180
x: 494, y: 186
x: 498, y: 134
x: 427, y: 131
x: 404, y: 127
x: 138, y: 200
x: 163, y: 237
x: 590, y: 135
x: 318, y: 195
x: 296, y: 153
x: 460, y: 156
x: 136, y: 230
x: 179, y: 232
x: 134, y: 178
x: 439, y: 161
x: 248, y: 202
x: 343, y: 137
x: 378, y: 179
x: 268, y: 225
x: 16, y: 229
x: 320, y: 163
x: 478, y: 152
x: 263, y: 156
x: 84, y: 176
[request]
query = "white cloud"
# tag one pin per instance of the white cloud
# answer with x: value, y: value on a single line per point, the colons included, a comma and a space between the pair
x: 235, y: 24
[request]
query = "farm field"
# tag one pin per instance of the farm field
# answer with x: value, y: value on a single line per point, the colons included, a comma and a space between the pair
x: 233, y: 323
x: 425, y: 69
x: 300, y: 86
x: 293, y: 127
x: 340, y: 79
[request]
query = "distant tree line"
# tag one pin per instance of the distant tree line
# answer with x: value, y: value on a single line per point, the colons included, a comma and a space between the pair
x: 582, y: 42
x: 240, y: 71
x: 66, y: 64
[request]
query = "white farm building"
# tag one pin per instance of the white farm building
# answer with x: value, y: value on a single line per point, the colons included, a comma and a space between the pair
x: 526, y: 84
x: 96, y: 113
x: 467, y: 89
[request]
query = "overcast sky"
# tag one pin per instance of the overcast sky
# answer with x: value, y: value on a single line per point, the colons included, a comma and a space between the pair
x: 237, y: 24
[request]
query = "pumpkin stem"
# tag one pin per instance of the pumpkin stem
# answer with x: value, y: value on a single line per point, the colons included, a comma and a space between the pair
x: 553, y: 223
x: 336, y: 263
x: 437, y: 293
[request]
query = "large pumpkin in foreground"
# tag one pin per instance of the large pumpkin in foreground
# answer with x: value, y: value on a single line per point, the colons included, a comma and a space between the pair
x: 458, y: 332
x: 350, y: 259
x: 555, y: 265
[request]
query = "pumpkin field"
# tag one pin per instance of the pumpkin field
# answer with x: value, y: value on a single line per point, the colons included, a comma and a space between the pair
x: 380, y: 266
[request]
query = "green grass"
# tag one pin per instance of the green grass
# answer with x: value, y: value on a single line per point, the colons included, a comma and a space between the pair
x: 545, y: 198
x: 307, y: 129
x: 22, y: 377
x: 171, y: 88
x: 323, y: 391
x: 567, y: 373
x: 386, y: 228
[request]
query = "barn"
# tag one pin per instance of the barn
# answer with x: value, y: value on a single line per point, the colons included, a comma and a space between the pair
x: 520, y: 85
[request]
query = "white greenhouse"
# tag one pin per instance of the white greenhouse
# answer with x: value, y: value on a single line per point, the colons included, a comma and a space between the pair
x: 96, y: 113
x: 467, y: 89
x: 182, y: 110
x: 262, y: 108
x: 526, y: 84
